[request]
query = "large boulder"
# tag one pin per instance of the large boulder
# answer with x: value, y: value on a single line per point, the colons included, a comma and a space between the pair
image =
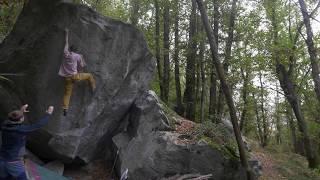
x: 115, y: 52
x: 150, y: 147
x: 121, y: 115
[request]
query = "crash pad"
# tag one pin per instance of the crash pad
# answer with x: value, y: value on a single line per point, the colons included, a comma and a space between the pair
x: 37, y: 172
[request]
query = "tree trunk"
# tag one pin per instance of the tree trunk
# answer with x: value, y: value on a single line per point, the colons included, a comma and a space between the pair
x: 230, y: 36
x: 189, y: 95
x: 134, y: 14
x: 157, y: 39
x: 311, y: 49
x: 213, y: 96
x: 258, y: 119
x: 198, y: 85
x: 166, y: 47
x: 213, y: 78
x: 292, y: 127
x: 226, y: 89
x: 245, y: 78
x: 288, y: 88
x: 264, y: 119
x: 227, y: 55
x: 220, y: 105
x: 179, y: 106
x: 291, y: 96
x: 278, y: 123
x: 203, y: 75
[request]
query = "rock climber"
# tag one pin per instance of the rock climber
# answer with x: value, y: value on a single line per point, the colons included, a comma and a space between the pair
x: 69, y: 69
x: 14, y: 134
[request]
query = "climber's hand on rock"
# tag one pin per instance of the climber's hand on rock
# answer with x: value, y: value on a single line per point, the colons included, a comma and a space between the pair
x: 24, y: 108
x: 50, y: 110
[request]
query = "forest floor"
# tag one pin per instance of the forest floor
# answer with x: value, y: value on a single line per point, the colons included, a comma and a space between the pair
x: 278, y: 164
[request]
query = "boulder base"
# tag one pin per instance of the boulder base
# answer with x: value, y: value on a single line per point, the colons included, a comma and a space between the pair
x: 150, y: 150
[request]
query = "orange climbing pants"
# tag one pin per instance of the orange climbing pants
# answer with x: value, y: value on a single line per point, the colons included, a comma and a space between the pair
x: 69, y: 81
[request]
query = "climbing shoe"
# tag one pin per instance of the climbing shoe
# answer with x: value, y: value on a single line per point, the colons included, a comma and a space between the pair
x: 65, y: 112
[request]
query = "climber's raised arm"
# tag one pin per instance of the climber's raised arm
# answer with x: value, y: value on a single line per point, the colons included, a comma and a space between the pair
x: 66, y: 46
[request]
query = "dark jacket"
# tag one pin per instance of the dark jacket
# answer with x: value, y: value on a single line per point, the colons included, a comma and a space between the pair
x: 14, y: 138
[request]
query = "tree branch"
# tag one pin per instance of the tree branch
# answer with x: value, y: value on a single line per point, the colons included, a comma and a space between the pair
x: 280, y: 92
x: 300, y: 84
x: 302, y: 23
x: 314, y: 19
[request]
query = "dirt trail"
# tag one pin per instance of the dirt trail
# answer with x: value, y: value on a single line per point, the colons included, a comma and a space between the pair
x: 269, y: 171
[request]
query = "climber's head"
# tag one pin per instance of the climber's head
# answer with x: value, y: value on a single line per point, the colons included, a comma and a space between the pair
x: 16, y: 116
x: 73, y: 48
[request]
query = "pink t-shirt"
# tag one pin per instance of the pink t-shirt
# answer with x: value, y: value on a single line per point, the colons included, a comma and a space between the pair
x: 70, y: 63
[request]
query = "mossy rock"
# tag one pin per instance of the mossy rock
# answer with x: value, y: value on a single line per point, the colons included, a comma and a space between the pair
x: 171, y: 114
x: 218, y: 137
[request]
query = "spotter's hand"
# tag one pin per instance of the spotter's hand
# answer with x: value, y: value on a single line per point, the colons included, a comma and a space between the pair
x: 50, y: 110
x: 24, y: 108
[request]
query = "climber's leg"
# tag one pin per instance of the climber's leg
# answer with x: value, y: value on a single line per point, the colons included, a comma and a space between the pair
x: 68, y: 86
x: 86, y: 77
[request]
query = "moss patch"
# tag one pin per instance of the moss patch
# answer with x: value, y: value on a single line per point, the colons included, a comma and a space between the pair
x: 218, y: 137
x: 172, y: 115
x: 228, y: 151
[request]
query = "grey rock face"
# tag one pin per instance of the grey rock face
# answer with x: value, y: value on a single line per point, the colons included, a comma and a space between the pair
x: 116, y: 54
x: 33, y: 158
x: 150, y: 151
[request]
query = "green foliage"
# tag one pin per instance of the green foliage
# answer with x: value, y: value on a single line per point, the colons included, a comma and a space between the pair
x: 8, y: 16
x: 295, y: 167
x: 117, y: 9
